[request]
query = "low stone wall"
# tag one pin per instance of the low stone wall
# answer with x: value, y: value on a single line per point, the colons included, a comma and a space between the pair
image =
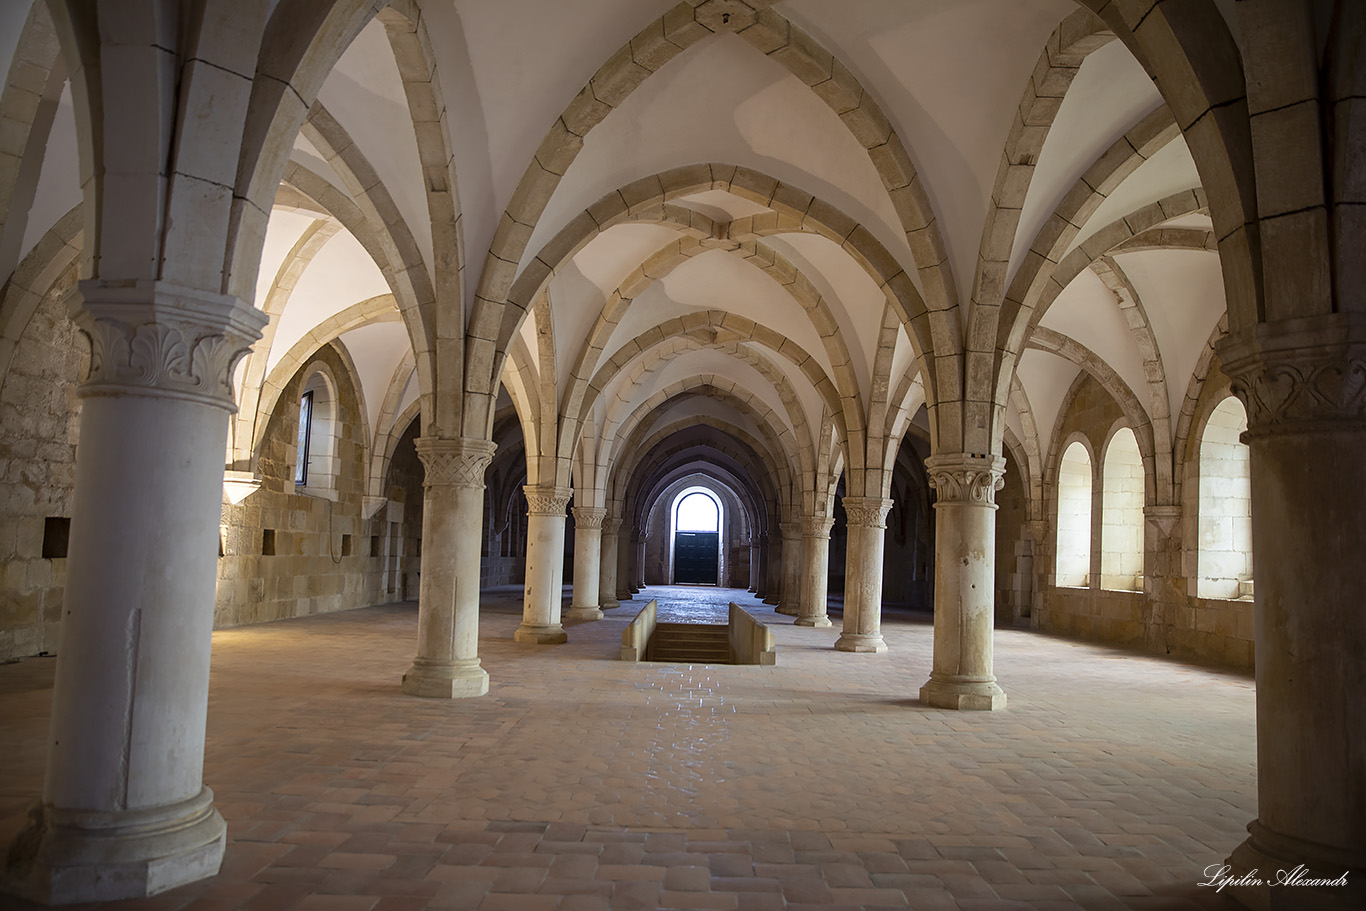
x: 751, y: 642
x: 1205, y: 630
x: 637, y: 634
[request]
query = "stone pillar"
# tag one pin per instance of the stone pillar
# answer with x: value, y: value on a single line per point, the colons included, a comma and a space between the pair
x: 791, y: 569
x: 753, y: 544
x: 544, y: 566
x: 816, y: 571
x: 761, y: 583
x: 587, y: 562
x: 607, y: 564
x: 124, y: 811
x: 640, y: 560
x: 447, y: 663
x: 964, y: 584
x: 867, y: 523
x: 1305, y: 391
x: 626, y: 551
x: 773, y: 566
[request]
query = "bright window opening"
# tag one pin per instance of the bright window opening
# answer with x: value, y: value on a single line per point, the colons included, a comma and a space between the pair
x: 1074, y: 518
x: 1225, y: 559
x: 1121, y: 531
x: 698, y: 512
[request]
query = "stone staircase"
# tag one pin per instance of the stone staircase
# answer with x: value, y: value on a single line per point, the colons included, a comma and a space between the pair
x: 690, y: 643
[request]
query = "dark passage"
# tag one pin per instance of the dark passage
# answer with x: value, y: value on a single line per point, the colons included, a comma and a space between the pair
x: 695, y: 557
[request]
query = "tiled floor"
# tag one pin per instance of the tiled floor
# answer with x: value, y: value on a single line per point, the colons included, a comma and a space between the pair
x: 581, y: 782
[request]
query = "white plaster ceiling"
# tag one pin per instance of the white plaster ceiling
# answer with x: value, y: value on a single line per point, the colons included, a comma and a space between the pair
x: 376, y: 350
x: 609, y: 258
x: 282, y: 232
x: 1087, y: 311
x: 1109, y: 95
x: 1170, y: 170
x: 1046, y: 379
x: 723, y: 101
x: 59, y: 185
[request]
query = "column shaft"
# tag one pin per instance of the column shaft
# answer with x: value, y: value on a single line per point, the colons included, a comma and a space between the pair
x: 1307, y: 439
x: 124, y: 812
x: 607, y: 565
x: 964, y: 560
x: 587, y: 557
x: 816, y: 571
x: 544, y: 567
x: 791, y: 569
x: 867, y: 522
x: 447, y: 665
x: 640, y: 561
x: 625, y: 552
x: 761, y: 582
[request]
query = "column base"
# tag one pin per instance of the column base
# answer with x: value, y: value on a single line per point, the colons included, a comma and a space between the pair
x: 624, y: 596
x: 541, y: 635
x: 583, y: 613
x: 770, y: 600
x: 814, y: 622
x: 965, y: 694
x: 785, y: 610
x: 1267, y: 872
x: 611, y: 604
x: 64, y: 857
x: 446, y: 679
x: 860, y: 642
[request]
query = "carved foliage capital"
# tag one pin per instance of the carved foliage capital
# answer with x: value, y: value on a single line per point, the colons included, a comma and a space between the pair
x: 611, y: 525
x: 454, y: 463
x: 965, y: 478
x: 790, y: 530
x: 547, y: 501
x: 589, y: 516
x: 1303, y: 387
x: 156, y: 339
x: 866, y: 512
x: 816, y: 526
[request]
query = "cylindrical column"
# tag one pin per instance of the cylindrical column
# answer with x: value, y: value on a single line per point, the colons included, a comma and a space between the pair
x: 447, y: 664
x: 754, y: 563
x: 587, y: 559
x: 640, y: 542
x: 867, y: 522
x: 816, y: 571
x: 626, y: 552
x: 1303, y: 389
x: 773, y: 568
x: 761, y: 581
x: 607, y: 564
x: 791, y: 569
x: 964, y: 583
x: 124, y: 812
x: 544, y: 566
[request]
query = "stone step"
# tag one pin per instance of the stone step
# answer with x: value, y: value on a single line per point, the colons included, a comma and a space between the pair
x: 691, y: 643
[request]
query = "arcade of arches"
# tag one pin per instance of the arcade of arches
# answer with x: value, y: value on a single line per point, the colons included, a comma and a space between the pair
x: 1043, y: 314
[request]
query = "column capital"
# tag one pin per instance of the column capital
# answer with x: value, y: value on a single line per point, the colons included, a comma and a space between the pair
x: 611, y: 525
x: 1301, y: 375
x: 866, y: 512
x: 589, y: 516
x: 790, y: 530
x: 156, y: 339
x: 1164, y: 516
x: 459, y: 462
x: 547, y: 501
x: 966, y: 477
x: 817, y: 526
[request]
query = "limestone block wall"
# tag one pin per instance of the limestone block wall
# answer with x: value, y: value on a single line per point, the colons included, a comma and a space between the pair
x: 1166, y: 617
x: 39, y: 425
x: 287, y: 554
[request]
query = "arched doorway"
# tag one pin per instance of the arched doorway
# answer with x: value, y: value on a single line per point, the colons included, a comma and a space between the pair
x: 697, y: 537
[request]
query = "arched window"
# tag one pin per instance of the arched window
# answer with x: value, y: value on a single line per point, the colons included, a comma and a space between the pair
x: 1224, y: 568
x: 1074, y: 517
x: 1121, y: 530
x: 316, y: 464
x: 698, y: 512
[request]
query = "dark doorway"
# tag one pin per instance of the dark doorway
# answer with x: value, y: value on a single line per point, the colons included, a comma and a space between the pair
x: 696, y: 556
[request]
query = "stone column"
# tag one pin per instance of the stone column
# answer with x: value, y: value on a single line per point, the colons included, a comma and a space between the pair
x: 816, y: 571
x: 640, y: 560
x: 447, y: 663
x: 587, y: 561
x: 1305, y: 391
x: 773, y: 569
x: 753, y: 563
x: 791, y: 569
x: 607, y: 564
x: 867, y: 523
x: 626, y: 551
x: 124, y: 811
x: 544, y: 566
x: 761, y: 581
x: 964, y: 584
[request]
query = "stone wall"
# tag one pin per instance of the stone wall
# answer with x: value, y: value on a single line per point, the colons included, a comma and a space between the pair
x: 1165, y: 618
x: 39, y: 424
x: 287, y: 554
